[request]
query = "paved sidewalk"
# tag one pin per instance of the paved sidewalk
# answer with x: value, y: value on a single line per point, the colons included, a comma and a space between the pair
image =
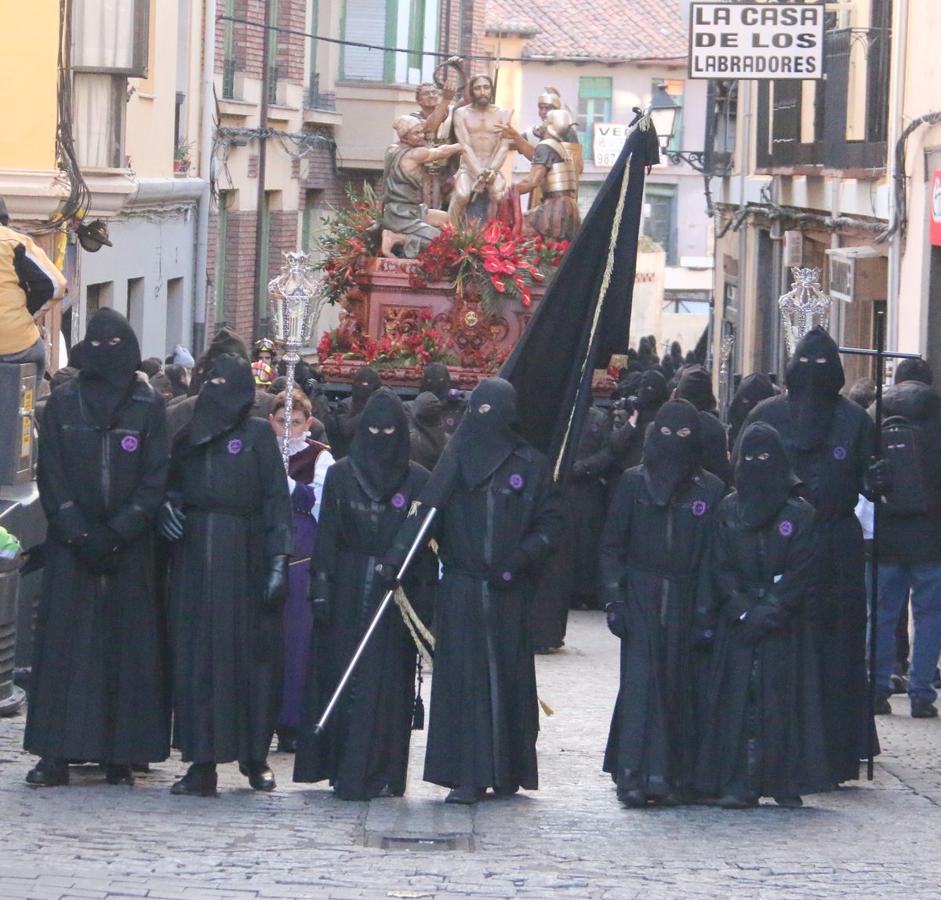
x: 570, y: 839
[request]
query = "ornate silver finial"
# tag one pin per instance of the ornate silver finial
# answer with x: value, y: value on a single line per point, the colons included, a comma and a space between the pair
x: 803, y: 307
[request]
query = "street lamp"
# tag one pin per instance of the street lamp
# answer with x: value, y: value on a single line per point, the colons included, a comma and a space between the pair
x: 295, y: 302
x: 664, y: 113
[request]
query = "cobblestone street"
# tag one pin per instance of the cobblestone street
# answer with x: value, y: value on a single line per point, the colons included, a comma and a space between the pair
x: 570, y: 839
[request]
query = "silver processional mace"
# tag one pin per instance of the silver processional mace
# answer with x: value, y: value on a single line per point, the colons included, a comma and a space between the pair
x: 295, y: 303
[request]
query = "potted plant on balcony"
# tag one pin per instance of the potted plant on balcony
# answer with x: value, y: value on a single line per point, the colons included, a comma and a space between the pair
x: 181, y: 159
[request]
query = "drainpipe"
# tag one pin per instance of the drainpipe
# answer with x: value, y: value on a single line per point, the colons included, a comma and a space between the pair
x: 899, y: 48
x: 206, y: 106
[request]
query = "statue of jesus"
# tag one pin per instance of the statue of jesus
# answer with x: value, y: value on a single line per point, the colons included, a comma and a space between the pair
x: 477, y: 128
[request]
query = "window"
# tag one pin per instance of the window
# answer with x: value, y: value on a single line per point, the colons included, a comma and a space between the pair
x: 99, y: 103
x: 98, y: 296
x: 273, y: 70
x: 310, y: 223
x: 174, y: 333
x: 412, y: 24
x: 690, y: 303
x: 660, y: 218
x: 313, y: 78
x: 135, y: 304
x: 111, y: 36
x: 594, y: 105
x: 228, y: 59
x: 674, y: 87
x: 271, y: 198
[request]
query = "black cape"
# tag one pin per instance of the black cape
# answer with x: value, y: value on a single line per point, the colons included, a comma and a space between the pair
x: 764, y: 730
x: 484, y: 713
x: 651, y: 558
x: 365, y: 747
x: 98, y: 690
x: 832, y: 475
x: 226, y: 642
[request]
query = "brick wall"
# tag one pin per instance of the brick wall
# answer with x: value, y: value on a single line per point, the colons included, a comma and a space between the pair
x: 248, y: 41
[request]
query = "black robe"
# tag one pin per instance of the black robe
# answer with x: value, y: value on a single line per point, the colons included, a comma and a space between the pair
x: 365, y: 747
x: 832, y: 474
x: 98, y: 690
x: 570, y: 576
x: 484, y: 713
x: 764, y: 733
x: 651, y: 558
x: 226, y: 643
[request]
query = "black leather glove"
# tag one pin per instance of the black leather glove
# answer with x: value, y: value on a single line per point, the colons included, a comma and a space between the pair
x: 97, y: 550
x: 170, y: 521
x: 616, y: 614
x: 506, y: 576
x: 759, y: 622
x: 879, y: 477
x: 386, y: 576
x: 276, y: 588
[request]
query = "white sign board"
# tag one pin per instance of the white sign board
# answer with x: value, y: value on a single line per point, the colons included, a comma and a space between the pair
x: 607, y: 142
x: 756, y: 40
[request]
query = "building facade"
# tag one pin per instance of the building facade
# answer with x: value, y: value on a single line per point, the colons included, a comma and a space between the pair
x: 835, y: 174
x: 602, y: 72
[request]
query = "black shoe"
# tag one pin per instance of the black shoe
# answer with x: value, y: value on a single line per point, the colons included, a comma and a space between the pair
x: 141, y: 768
x: 259, y: 775
x: 736, y: 801
x: 923, y: 709
x: 676, y: 798
x: 199, y: 781
x: 633, y: 799
x: 466, y: 796
x: 883, y: 707
x: 48, y: 773
x: 899, y: 684
x: 791, y: 801
x: 119, y: 775
x: 506, y: 790
x: 936, y: 681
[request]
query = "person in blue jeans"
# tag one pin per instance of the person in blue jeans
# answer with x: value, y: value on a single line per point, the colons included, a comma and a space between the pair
x: 910, y: 543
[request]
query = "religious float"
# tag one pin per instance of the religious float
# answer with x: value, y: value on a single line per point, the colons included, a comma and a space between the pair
x: 464, y: 300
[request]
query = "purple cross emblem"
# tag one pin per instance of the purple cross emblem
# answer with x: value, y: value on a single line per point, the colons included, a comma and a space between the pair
x: 839, y: 453
x: 234, y: 446
x: 786, y: 528
x: 699, y: 508
x: 398, y: 501
x: 517, y: 481
x: 129, y: 443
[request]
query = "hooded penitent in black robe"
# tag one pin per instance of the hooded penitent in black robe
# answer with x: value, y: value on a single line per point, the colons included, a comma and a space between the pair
x: 341, y: 425
x: 364, y: 751
x: 427, y: 434
x: 651, y: 558
x: 500, y: 518
x: 753, y: 389
x: 569, y: 577
x: 695, y: 385
x: 830, y: 441
x: 627, y: 440
x: 181, y: 408
x: 764, y: 732
x: 227, y: 475
x: 436, y: 379
x: 98, y: 690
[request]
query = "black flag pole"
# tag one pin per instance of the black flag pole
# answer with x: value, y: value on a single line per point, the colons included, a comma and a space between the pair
x: 583, y: 318
x: 880, y: 354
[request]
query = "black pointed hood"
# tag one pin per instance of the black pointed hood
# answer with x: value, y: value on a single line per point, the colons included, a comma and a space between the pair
x: 764, y: 478
x: 380, y: 450
x: 652, y: 392
x: 110, y: 359
x: 673, y: 449
x: 366, y: 382
x: 224, y: 341
x: 814, y: 377
x: 436, y: 379
x: 695, y: 385
x: 225, y: 398
x: 487, y: 434
x: 751, y: 391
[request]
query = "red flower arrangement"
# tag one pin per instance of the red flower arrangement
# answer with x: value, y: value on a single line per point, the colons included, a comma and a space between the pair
x: 415, y: 345
x: 500, y: 265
